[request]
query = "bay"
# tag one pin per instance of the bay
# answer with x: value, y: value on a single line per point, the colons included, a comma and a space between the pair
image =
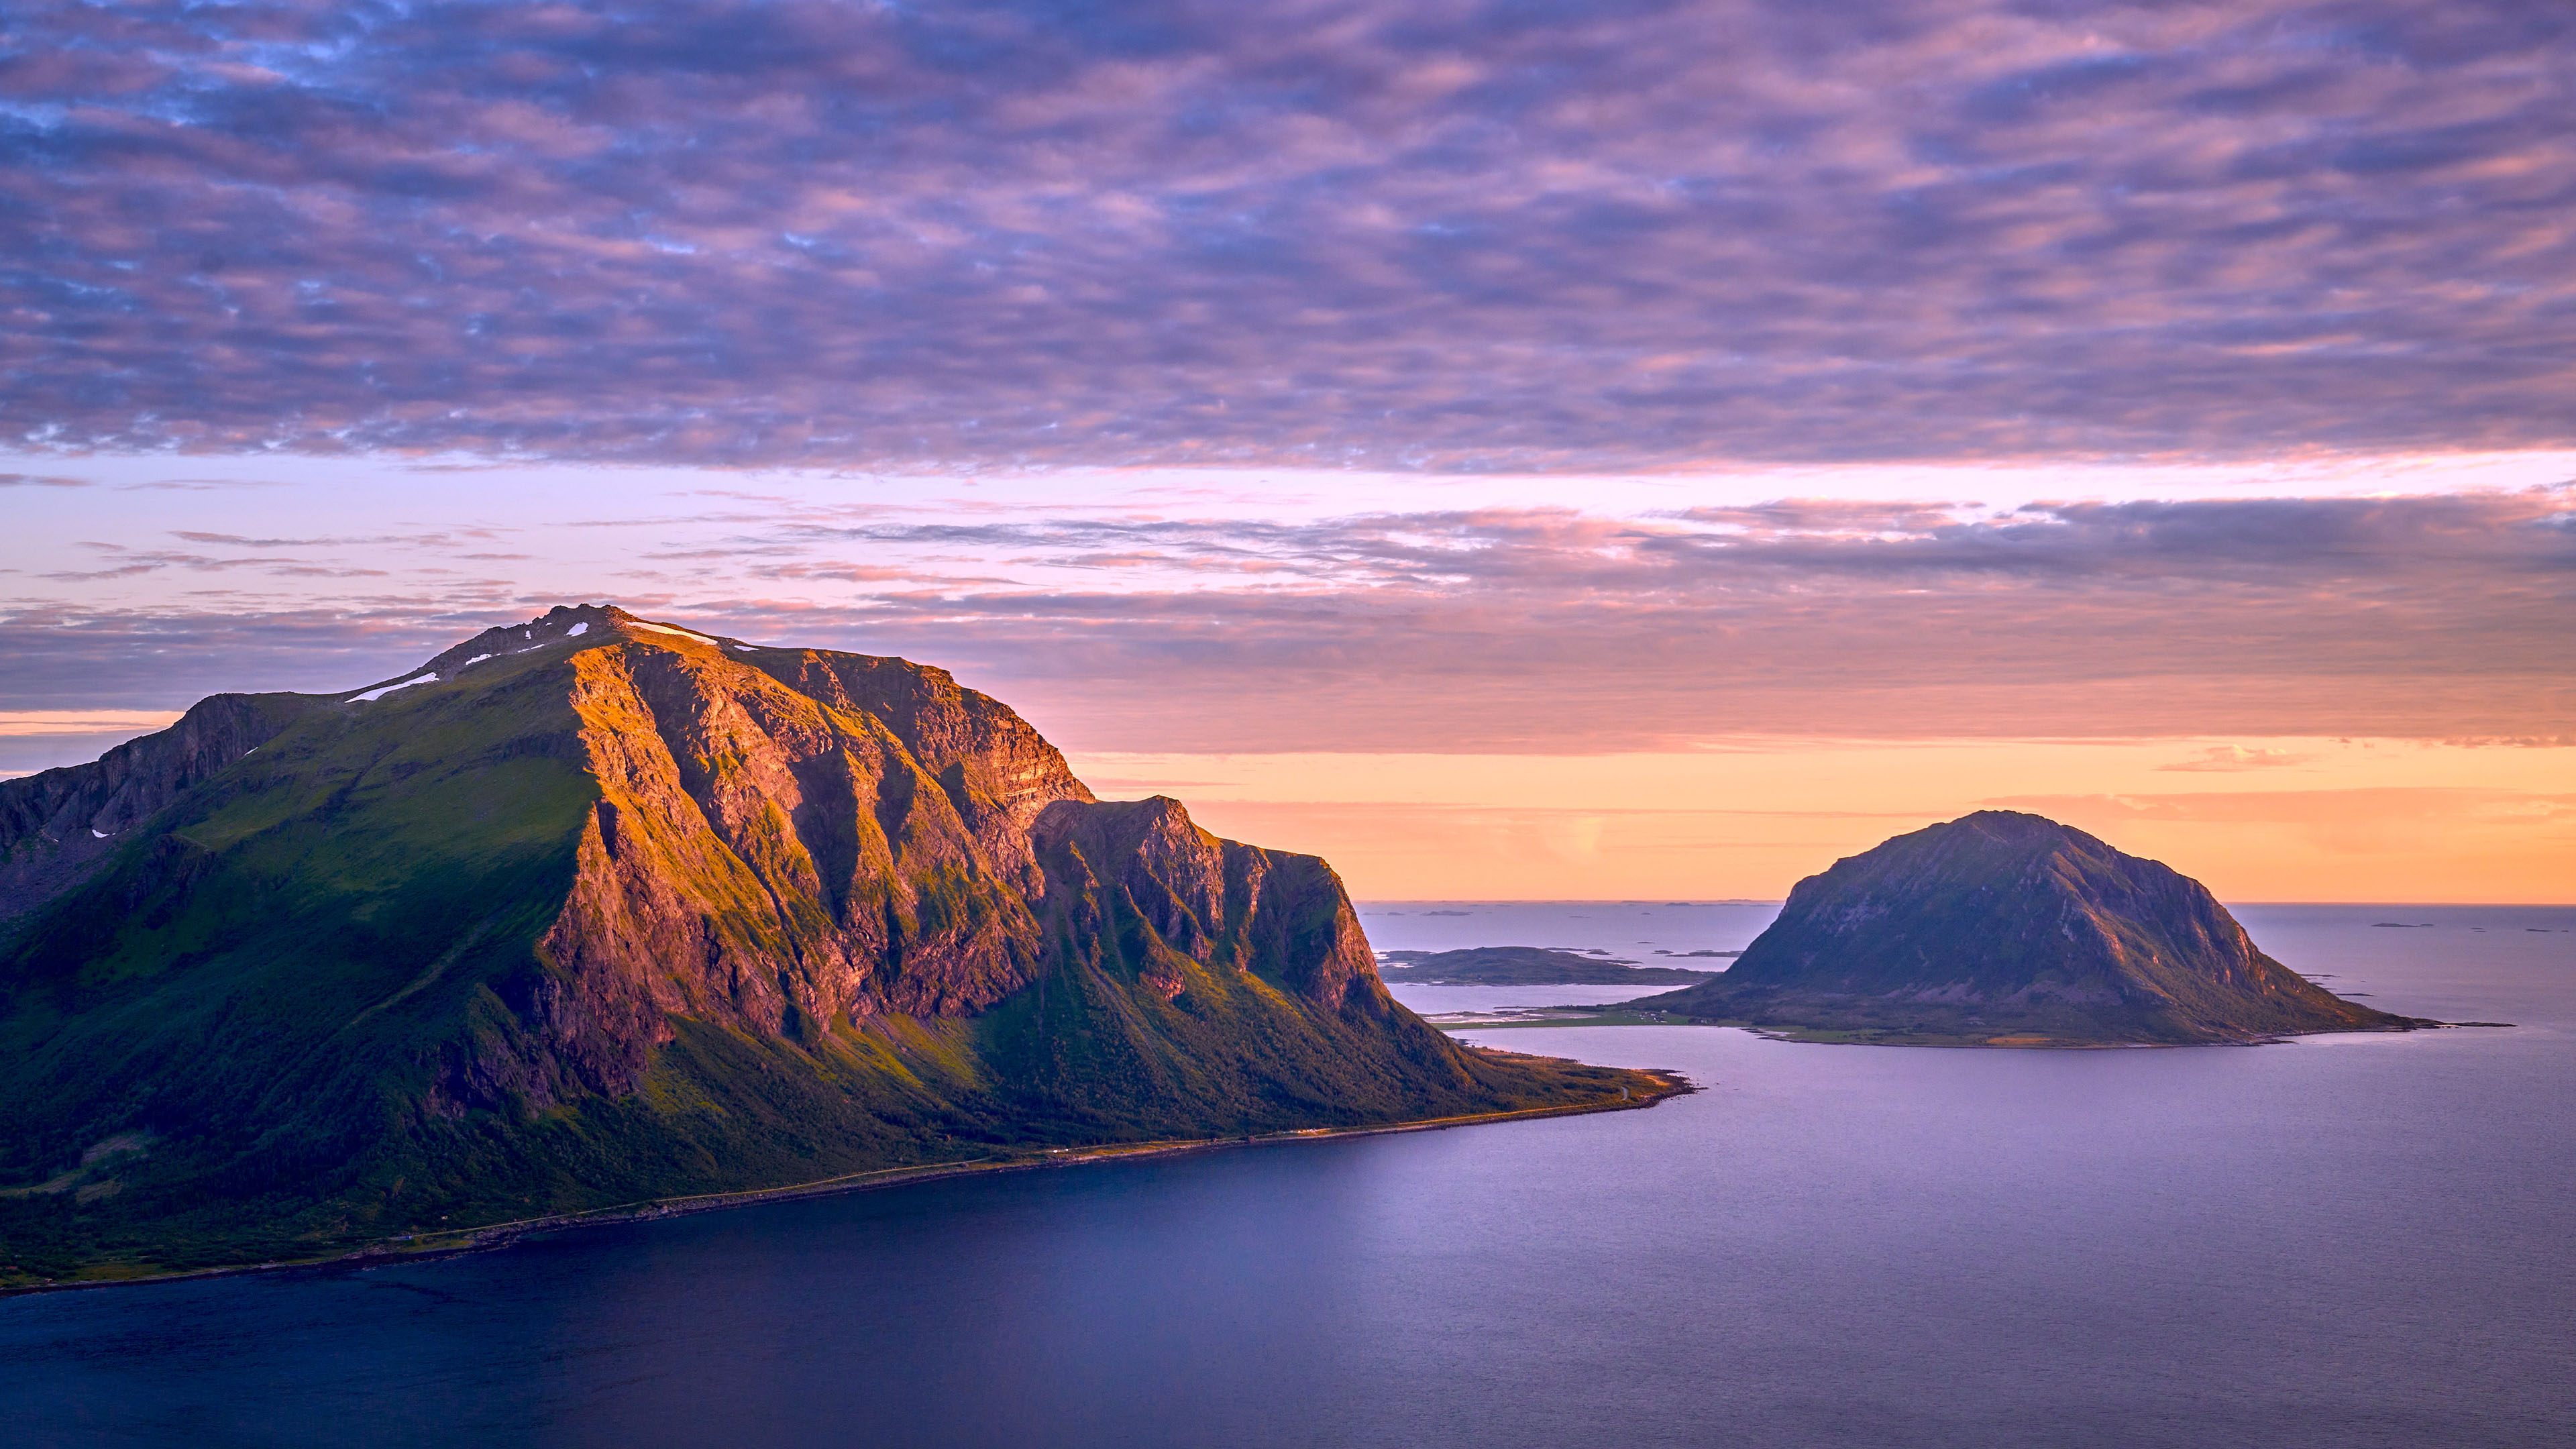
x: 2355, y: 1240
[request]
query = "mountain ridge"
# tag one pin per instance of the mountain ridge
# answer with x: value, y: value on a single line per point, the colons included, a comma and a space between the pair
x: 617, y: 910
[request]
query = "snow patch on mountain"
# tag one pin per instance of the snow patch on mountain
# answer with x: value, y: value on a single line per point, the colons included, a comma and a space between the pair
x: 382, y: 690
x: 664, y: 629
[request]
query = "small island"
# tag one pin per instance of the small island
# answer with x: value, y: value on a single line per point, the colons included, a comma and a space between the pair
x: 2004, y: 929
x: 1525, y: 966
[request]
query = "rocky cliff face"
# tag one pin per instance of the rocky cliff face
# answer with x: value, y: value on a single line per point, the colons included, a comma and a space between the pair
x: 789, y: 840
x: 771, y: 851
x: 1261, y: 912
x: 2007, y: 926
x: 595, y: 908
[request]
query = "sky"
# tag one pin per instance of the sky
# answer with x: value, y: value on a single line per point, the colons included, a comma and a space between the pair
x: 1517, y: 449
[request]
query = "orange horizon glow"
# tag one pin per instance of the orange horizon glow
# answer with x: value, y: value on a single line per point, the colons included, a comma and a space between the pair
x: 2309, y: 820
x: 2271, y: 820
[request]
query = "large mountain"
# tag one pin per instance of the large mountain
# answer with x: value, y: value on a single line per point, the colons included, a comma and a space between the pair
x: 589, y: 909
x: 2011, y: 929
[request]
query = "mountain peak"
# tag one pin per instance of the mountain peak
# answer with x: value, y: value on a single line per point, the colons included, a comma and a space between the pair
x: 2013, y: 825
x: 1992, y: 831
x: 576, y: 624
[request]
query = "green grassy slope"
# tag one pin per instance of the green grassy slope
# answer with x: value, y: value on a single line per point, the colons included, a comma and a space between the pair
x: 310, y: 1006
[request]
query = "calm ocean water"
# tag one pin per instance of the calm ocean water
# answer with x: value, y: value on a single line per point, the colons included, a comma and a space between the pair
x: 2347, y: 1241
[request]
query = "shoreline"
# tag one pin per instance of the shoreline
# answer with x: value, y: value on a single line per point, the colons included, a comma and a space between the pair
x: 1550, y: 1018
x: 429, y: 1247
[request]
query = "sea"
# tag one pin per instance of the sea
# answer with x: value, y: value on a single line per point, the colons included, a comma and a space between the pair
x: 2340, y: 1241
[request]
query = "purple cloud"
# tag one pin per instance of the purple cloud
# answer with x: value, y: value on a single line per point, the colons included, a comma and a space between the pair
x: 1451, y: 235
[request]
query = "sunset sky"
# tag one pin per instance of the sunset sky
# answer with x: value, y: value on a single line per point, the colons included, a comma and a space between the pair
x: 1516, y: 449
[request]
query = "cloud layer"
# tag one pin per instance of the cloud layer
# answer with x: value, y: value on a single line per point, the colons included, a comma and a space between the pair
x: 1501, y: 630
x: 1454, y: 234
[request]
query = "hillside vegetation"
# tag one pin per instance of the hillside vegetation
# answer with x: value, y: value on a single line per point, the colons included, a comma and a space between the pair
x: 608, y: 911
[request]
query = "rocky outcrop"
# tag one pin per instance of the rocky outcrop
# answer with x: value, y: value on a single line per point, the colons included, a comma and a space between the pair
x: 1282, y: 917
x: 2012, y: 928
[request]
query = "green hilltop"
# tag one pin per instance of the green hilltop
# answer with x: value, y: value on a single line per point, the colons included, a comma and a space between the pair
x: 589, y: 911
